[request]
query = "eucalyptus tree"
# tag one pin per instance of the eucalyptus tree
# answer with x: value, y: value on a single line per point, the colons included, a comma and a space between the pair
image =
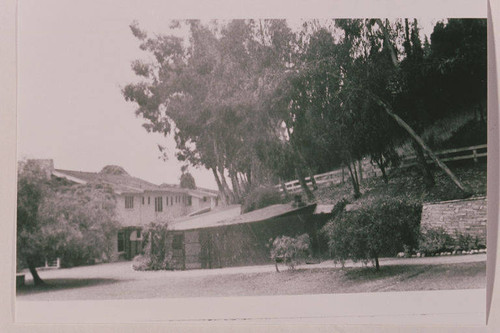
x: 208, y: 92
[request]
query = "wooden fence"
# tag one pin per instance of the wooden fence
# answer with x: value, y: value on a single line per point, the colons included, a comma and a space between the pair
x: 368, y: 170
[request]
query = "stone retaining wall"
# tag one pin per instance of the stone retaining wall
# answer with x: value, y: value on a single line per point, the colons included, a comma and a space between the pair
x: 466, y: 216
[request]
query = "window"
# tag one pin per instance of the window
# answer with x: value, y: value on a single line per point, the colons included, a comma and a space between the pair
x: 158, y: 204
x: 166, y: 201
x: 143, y: 200
x: 172, y: 201
x: 189, y: 200
x: 121, y: 241
x: 177, y: 242
x: 129, y: 202
x: 204, y: 199
x: 149, y: 200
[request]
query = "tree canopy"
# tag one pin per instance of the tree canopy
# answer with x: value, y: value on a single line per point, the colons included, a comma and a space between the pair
x: 259, y: 103
x: 58, y: 219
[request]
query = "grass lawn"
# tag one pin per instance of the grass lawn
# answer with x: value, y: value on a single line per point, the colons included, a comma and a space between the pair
x: 136, y: 285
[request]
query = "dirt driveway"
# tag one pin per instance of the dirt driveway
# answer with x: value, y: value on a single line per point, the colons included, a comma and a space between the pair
x: 120, y: 281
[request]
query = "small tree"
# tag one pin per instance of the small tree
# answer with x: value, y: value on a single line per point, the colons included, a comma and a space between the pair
x: 60, y: 219
x: 290, y: 250
x: 261, y: 197
x: 187, y: 179
x: 381, y: 227
x: 157, y: 252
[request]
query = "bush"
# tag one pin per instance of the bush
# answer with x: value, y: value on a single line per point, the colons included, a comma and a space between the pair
x: 261, y: 197
x: 158, y: 250
x: 290, y: 250
x: 381, y: 227
x: 435, y: 240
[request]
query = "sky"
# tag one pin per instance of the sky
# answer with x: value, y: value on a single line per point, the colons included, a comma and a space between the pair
x: 73, y: 59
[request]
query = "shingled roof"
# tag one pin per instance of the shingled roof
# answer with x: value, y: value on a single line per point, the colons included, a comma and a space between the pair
x: 121, y: 181
x: 232, y: 215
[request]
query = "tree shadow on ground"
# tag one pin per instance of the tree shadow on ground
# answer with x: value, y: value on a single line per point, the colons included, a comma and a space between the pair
x: 361, y: 274
x: 62, y: 284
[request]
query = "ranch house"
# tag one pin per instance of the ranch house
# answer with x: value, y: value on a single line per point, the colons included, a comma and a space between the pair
x: 140, y: 202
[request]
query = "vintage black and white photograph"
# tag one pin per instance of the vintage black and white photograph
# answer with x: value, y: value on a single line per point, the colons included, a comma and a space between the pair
x: 163, y: 158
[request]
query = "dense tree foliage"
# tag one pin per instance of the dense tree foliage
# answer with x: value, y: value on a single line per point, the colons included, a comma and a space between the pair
x: 187, y: 179
x: 258, y: 103
x: 382, y: 227
x: 58, y: 219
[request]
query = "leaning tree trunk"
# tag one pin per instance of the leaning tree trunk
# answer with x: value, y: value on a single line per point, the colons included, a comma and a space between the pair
x: 424, y: 167
x: 303, y: 184
x: 407, y: 127
x: 36, y: 278
x: 422, y: 144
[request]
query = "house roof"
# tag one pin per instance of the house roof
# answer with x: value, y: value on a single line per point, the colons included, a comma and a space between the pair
x: 122, y: 182
x: 231, y: 215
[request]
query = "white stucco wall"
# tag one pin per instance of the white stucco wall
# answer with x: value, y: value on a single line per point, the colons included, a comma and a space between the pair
x: 143, y: 214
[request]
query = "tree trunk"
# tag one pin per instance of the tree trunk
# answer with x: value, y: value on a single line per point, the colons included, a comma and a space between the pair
x: 424, y: 167
x: 36, y: 278
x: 422, y: 144
x: 354, y: 180
x: 360, y: 168
x: 230, y: 194
x: 381, y: 166
x: 223, y: 194
x: 236, y: 186
x: 407, y: 127
x: 377, y: 265
x: 313, y: 183
x: 303, y: 184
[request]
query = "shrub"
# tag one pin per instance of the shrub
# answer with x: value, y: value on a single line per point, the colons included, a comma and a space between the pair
x: 435, y: 240
x: 382, y: 226
x: 290, y: 250
x: 158, y: 250
x: 261, y: 197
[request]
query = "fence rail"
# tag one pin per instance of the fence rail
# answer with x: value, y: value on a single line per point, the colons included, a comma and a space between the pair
x: 338, y: 176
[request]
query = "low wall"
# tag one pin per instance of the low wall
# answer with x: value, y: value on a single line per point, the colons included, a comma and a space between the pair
x: 466, y: 216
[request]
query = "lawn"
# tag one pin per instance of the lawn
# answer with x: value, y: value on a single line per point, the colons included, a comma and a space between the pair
x: 76, y: 284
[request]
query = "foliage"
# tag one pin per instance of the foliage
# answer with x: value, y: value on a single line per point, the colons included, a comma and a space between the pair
x: 261, y: 197
x: 57, y: 219
x: 290, y: 250
x: 157, y: 251
x: 327, y: 95
x: 187, y: 181
x: 380, y: 227
x: 437, y: 240
x: 79, y: 224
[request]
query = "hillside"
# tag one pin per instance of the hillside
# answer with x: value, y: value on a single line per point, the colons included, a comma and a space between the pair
x: 408, y: 183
